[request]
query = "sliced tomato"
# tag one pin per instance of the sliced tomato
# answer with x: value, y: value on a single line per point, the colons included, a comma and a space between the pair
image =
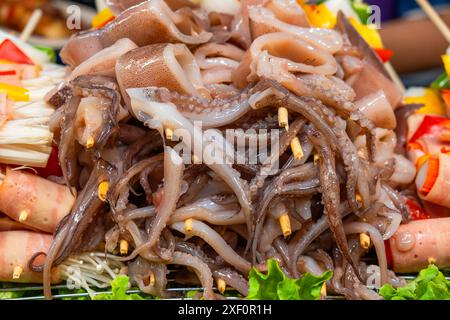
x: 10, y: 52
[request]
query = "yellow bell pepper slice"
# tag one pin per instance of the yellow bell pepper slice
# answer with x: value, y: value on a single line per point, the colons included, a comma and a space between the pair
x: 320, y: 16
x: 446, y: 60
x: 428, y: 97
x: 14, y: 92
x: 102, y: 18
x: 369, y: 33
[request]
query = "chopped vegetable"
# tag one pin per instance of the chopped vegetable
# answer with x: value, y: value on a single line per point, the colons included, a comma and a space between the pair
x: 427, y: 126
x: 416, y: 212
x: 441, y: 82
x: 35, y: 55
x: 428, y: 97
x: 50, y: 52
x: 276, y: 286
x: 320, y: 16
x: 369, y: 33
x: 10, y: 294
x: 362, y: 10
x: 14, y: 92
x: 119, y: 289
x: 446, y: 97
x: 8, y: 73
x: 53, y: 168
x: 341, y: 5
x: 384, y: 54
x: 429, y: 285
x: 102, y: 18
x: 446, y: 61
x: 10, y: 52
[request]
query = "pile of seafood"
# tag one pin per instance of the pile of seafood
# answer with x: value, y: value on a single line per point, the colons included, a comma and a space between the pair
x: 331, y: 175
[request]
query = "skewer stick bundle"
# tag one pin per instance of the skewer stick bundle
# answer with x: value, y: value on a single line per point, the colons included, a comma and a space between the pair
x: 435, y: 18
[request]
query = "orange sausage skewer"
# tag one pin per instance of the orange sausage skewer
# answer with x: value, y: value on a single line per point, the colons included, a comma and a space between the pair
x: 33, y: 200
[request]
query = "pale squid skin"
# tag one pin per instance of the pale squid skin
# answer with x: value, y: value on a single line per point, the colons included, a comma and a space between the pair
x: 280, y: 56
x: 160, y: 65
x: 377, y: 109
x: 291, y: 19
x: 146, y: 23
x: 16, y: 250
x: 34, y: 201
x: 103, y: 63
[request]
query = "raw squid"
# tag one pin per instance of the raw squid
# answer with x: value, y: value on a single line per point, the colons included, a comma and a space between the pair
x: 160, y: 65
x: 146, y: 23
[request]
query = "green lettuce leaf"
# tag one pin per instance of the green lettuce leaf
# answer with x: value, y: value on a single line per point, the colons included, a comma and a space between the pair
x: 11, y: 294
x: 119, y: 287
x: 430, y: 284
x: 276, y: 286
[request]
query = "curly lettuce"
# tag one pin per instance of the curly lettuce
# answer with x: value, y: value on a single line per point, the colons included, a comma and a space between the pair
x: 119, y: 287
x: 276, y: 286
x: 430, y: 284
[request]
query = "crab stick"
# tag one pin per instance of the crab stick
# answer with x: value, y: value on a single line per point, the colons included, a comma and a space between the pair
x: 433, y: 180
x: 34, y: 201
x: 418, y: 242
x: 16, y: 250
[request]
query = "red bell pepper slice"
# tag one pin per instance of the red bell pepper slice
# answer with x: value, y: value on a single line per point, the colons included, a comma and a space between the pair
x: 9, y: 51
x: 427, y: 125
x: 389, y: 256
x: 53, y: 168
x: 445, y: 93
x: 8, y: 73
x: 384, y: 54
x: 416, y: 212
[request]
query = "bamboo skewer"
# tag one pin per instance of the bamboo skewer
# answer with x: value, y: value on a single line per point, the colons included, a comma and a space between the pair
x: 435, y: 18
x: 31, y: 25
x: 394, y: 76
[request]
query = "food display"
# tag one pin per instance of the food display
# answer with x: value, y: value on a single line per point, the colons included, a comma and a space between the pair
x: 15, y: 14
x: 260, y: 147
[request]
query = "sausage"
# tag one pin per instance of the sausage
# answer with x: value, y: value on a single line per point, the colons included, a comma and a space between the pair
x: 417, y: 244
x: 34, y: 201
x: 16, y: 250
x: 7, y: 224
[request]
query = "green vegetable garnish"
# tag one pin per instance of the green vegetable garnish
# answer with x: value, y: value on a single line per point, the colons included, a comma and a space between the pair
x: 441, y: 82
x: 48, y: 51
x: 276, y: 286
x: 362, y: 10
x: 10, y: 294
x: 119, y: 291
x: 430, y: 284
